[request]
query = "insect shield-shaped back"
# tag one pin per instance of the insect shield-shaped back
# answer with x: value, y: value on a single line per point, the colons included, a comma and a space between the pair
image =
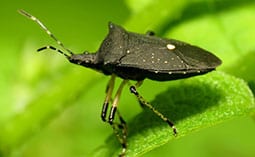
x: 109, y: 53
x: 114, y: 45
x: 137, y: 56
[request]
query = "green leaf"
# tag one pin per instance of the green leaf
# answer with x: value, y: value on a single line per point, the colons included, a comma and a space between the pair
x: 43, y: 109
x: 193, y: 104
x: 230, y: 39
x: 158, y: 11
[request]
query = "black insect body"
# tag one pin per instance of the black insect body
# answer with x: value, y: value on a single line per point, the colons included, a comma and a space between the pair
x: 133, y: 56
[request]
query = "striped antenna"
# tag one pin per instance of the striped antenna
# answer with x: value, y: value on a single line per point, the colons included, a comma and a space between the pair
x: 22, y: 12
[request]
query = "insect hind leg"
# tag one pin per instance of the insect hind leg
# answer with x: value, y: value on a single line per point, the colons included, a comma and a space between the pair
x: 138, y: 84
x: 120, y: 130
x: 147, y: 104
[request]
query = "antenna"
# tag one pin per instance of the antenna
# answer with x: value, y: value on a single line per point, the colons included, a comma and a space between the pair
x: 22, y: 12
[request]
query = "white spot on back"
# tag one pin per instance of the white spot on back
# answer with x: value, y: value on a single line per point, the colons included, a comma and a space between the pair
x: 170, y: 46
x: 128, y: 51
x: 170, y: 73
x: 144, y: 60
x: 156, y: 72
x: 165, y: 62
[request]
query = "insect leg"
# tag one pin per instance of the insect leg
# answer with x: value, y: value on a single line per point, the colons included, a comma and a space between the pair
x: 147, y: 104
x: 116, y: 101
x: 138, y: 84
x: 120, y: 131
x: 122, y: 136
x: 109, y: 90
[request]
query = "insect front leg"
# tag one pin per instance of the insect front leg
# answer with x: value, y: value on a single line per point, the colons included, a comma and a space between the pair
x: 108, y: 97
x: 116, y: 102
x: 147, y: 104
x: 120, y: 129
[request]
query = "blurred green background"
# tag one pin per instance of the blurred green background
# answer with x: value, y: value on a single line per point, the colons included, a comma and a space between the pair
x: 49, y: 107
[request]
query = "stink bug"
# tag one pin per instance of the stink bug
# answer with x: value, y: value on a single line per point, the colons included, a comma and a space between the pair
x: 133, y: 56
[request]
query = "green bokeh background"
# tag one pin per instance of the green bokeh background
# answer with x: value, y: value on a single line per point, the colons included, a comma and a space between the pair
x: 75, y: 129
